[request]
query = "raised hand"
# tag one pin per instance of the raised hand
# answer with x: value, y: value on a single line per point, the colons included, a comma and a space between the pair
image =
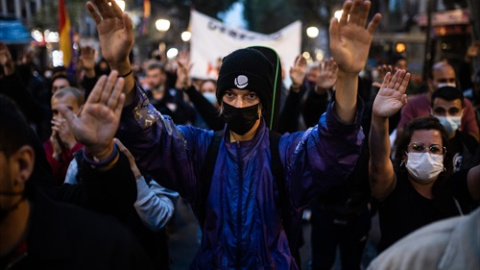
x: 183, y: 69
x: 391, y: 97
x: 382, y: 72
x: 298, y: 70
x: 98, y: 122
x: 327, y: 76
x: 349, y: 39
x: 65, y: 134
x: 131, y: 159
x: 87, y: 61
x: 114, y: 32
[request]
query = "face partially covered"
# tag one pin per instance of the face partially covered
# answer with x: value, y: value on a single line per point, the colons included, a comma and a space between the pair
x: 424, y: 156
x: 241, y: 110
x: 449, y: 113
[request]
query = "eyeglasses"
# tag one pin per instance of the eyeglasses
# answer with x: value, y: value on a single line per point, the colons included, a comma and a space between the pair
x: 419, y: 147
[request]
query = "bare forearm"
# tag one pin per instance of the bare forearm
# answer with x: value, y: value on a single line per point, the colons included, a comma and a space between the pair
x: 126, y: 68
x: 346, y: 96
x: 380, y: 167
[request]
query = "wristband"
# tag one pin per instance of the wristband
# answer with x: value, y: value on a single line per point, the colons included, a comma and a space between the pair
x: 105, y: 163
x: 125, y: 75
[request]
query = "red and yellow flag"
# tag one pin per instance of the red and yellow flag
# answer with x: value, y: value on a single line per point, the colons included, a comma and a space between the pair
x: 66, y: 44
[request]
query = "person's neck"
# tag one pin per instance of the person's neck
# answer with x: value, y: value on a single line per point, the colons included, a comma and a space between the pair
x: 14, y: 228
x: 234, y: 137
x: 423, y: 189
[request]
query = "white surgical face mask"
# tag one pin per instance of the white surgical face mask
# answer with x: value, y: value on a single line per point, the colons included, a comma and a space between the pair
x: 424, y: 167
x: 211, y: 97
x: 440, y: 85
x: 450, y: 123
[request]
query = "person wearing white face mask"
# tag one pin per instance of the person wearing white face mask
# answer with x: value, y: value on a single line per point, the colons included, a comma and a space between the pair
x: 447, y: 106
x: 442, y: 75
x: 421, y: 189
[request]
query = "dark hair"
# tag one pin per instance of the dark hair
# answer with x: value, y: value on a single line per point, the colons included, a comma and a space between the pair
x: 395, y: 58
x: 14, y: 130
x: 156, y: 65
x: 421, y: 123
x: 447, y: 93
x: 66, y: 77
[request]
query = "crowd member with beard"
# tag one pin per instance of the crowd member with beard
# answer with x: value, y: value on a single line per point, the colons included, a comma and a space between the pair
x: 167, y: 101
x: 442, y: 74
x: 240, y: 211
x: 421, y: 188
x: 37, y: 232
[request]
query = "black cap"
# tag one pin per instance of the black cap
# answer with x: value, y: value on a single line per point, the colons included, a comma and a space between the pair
x: 252, y: 69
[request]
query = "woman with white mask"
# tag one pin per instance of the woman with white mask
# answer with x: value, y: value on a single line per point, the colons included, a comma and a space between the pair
x: 422, y: 188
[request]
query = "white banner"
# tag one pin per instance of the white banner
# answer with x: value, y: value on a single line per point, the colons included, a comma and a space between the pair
x: 212, y: 40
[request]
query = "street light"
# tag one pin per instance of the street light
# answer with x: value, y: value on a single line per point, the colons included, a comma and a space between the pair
x: 186, y: 35
x: 162, y: 25
x: 172, y: 53
x: 312, y: 32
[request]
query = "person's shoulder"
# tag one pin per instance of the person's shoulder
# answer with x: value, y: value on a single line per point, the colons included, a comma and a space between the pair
x: 424, y: 246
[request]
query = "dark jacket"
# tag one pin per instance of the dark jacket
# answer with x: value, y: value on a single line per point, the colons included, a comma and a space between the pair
x: 63, y: 236
x: 243, y: 227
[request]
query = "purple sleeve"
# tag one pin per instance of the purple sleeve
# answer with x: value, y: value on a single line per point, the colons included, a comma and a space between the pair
x: 171, y: 154
x: 322, y: 156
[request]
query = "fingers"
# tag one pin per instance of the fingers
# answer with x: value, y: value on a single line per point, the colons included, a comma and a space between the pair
x: 347, y: 6
x: 372, y: 26
x: 354, y: 12
x: 117, y: 11
x: 93, y: 12
x: 104, y: 8
x: 363, y: 16
x: 109, y: 86
x: 67, y: 113
x: 94, y: 96
x: 117, y: 91
x: 386, y: 81
x: 334, y: 32
x: 123, y: 149
x: 404, y: 83
x: 130, y: 157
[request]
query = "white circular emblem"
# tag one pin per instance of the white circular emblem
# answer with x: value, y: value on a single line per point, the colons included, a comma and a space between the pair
x: 241, y: 81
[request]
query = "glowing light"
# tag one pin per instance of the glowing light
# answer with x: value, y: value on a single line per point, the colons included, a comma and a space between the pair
x: 162, y: 25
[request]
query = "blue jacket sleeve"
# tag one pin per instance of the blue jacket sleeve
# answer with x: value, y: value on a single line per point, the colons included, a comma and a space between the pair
x: 320, y: 157
x: 170, y: 153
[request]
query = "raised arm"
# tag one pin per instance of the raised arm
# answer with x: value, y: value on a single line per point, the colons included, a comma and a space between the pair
x: 350, y: 43
x: 389, y: 100
x: 116, y: 40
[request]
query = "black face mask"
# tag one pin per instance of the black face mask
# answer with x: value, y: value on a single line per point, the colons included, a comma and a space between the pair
x: 4, y: 212
x: 240, y: 120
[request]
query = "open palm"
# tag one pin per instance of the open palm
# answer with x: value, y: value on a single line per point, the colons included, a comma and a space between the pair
x: 391, y: 97
x: 114, y: 30
x: 98, y: 122
x: 327, y: 76
x: 349, y: 39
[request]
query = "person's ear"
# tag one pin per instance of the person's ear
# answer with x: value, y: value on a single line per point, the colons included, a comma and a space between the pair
x: 24, y: 159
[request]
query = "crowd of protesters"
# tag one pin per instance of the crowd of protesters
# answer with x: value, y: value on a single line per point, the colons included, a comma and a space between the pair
x: 92, y: 163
